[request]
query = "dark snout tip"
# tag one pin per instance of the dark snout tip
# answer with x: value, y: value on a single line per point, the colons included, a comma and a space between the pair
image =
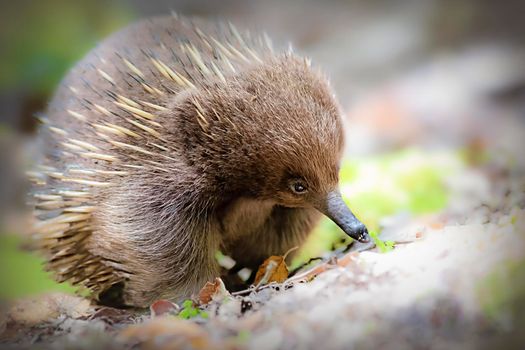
x: 335, y: 208
x: 361, y: 234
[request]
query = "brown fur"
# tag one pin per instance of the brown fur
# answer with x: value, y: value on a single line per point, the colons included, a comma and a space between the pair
x: 213, y: 167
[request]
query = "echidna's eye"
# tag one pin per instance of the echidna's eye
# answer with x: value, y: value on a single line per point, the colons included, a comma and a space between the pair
x: 298, y: 187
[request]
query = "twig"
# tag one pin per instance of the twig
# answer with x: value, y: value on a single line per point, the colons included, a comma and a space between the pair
x: 303, y: 265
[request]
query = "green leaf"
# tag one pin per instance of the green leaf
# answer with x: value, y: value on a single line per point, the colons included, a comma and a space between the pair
x: 383, y: 246
x: 190, y: 311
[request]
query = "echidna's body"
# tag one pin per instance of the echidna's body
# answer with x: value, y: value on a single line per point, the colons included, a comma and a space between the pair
x: 171, y: 141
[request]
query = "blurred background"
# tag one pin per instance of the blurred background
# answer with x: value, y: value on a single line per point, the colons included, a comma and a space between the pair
x: 429, y: 88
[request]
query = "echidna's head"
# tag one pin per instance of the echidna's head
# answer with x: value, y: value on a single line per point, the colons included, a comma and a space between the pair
x: 272, y: 132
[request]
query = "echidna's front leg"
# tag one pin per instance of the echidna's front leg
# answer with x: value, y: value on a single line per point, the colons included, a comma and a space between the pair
x: 155, y: 241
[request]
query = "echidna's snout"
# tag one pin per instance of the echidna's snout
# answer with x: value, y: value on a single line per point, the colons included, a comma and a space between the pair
x: 336, y: 209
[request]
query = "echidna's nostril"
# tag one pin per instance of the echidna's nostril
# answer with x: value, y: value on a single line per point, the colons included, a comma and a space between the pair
x: 362, y: 233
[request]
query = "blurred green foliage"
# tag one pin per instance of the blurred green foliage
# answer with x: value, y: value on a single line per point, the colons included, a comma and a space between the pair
x: 409, y: 180
x: 40, y: 40
x: 501, y: 304
x: 21, y: 272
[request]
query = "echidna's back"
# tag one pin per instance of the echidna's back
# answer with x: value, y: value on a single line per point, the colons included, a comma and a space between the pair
x: 147, y: 62
x: 106, y: 122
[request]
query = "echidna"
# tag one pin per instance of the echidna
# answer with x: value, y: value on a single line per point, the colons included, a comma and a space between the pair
x: 174, y: 139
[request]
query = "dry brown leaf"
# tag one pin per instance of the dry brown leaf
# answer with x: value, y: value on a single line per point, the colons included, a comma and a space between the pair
x: 163, y: 307
x: 167, y: 333
x: 213, y: 291
x: 273, y: 269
